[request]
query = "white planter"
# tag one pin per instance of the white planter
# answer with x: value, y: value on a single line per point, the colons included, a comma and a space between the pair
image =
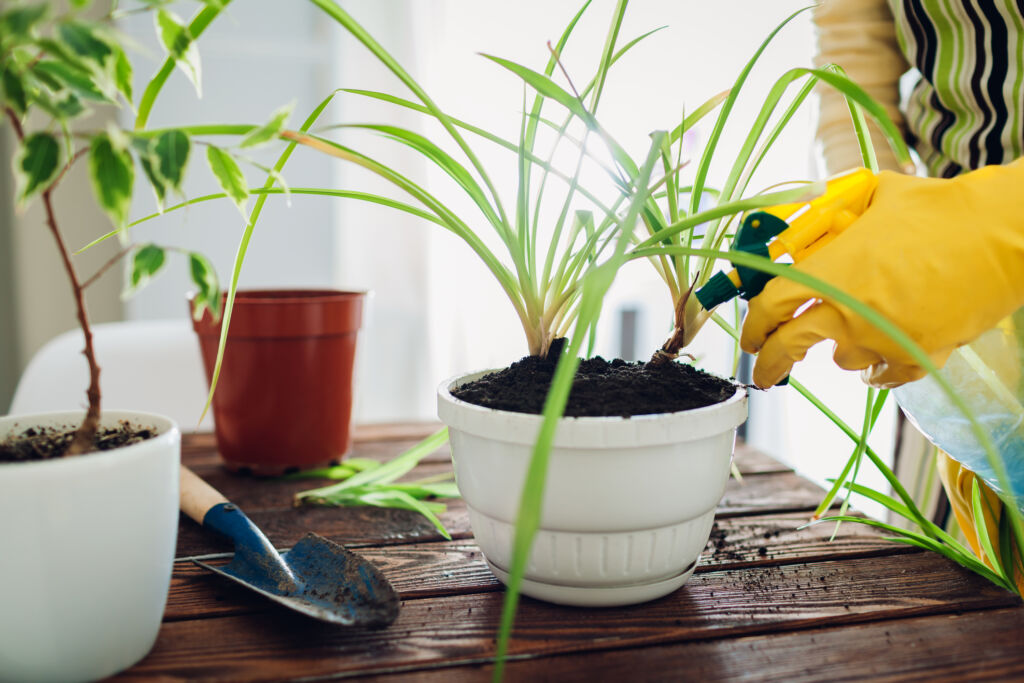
x: 86, y: 550
x: 629, y: 502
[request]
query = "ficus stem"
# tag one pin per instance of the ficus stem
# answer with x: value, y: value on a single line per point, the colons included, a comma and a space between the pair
x: 82, y: 441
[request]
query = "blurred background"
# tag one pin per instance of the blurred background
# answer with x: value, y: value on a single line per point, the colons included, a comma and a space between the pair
x: 434, y: 309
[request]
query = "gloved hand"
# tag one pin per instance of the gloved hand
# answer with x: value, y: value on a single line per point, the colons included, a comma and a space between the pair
x: 942, y: 259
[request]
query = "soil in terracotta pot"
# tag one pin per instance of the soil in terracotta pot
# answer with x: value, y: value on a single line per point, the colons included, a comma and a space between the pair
x: 601, y: 389
x: 43, y: 443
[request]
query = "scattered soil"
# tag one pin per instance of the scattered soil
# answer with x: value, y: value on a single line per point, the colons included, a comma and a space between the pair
x: 601, y: 389
x: 43, y: 443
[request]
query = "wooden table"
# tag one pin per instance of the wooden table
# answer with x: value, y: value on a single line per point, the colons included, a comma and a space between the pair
x: 766, y: 602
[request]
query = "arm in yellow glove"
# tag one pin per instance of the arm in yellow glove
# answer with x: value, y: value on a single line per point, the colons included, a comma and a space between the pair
x: 941, y: 258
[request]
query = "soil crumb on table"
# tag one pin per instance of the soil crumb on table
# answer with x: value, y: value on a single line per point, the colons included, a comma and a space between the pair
x: 601, y: 389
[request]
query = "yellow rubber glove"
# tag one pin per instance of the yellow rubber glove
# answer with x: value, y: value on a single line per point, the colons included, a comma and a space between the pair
x: 959, y: 484
x: 942, y: 259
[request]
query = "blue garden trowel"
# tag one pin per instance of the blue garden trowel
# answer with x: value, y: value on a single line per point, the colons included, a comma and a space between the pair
x: 317, y: 577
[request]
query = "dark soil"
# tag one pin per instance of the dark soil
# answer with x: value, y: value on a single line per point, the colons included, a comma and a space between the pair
x: 601, y: 388
x: 43, y: 443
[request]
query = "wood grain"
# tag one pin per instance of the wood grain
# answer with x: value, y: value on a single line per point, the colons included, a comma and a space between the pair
x: 714, y: 605
x: 976, y: 646
x: 457, y: 567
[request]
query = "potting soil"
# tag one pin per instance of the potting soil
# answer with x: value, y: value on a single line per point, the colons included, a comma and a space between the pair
x: 601, y: 388
x: 43, y: 443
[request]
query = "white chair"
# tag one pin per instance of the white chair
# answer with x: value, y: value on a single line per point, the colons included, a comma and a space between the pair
x: 149, y: 365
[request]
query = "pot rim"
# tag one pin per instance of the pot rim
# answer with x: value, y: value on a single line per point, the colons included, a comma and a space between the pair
x: 591, y: 432
x: 292, y: 295
x: 168, y: 435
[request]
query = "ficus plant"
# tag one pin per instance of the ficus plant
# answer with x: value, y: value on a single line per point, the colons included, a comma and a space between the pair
x: 56, y: 67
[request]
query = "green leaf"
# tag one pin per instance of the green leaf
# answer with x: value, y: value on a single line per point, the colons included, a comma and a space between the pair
x: 146, y: 263
x: 229, y: 175
x: 123, y: 74
x: 36, y: 165
x: 84, y: 42
x: 72, y: 78
x: 386, y: 473
x: 981, y: 530
x: 146, y: 160
x: 546, y: 87
x: 112, y: 173
x: 172, y: 149
x: 181, y: 46
x: 349, y: 468
x: 205, y: 278
x: 69, y: 105
x: 18, y: 22
x: 270, y: 130
x: 14, y: 92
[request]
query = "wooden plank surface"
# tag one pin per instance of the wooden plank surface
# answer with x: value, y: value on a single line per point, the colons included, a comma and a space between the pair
x: 975, y: 646
x: 770, y: 600
x: 457, y: 567
x: 274, y: 645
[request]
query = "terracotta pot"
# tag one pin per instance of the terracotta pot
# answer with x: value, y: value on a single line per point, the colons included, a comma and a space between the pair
x: 284, y: 396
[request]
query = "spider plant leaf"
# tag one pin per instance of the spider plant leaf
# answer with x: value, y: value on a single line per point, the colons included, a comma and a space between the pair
x: 261, y: 191
x: 385, y: 497
x: 695, y: 117
x: 981, y: 529
x: 608, y: 53
x: 480, y: 132
x: 931, y: 529
x: 440, y: 489
x: 528, y: 138
x: 333, y: 10
x: 428, y: 149
x: 402, y: 500
x: 870, y: 415
x: 547, y: 87
x: 963, y: 558
x: 386, y: 473
x: 350, y: 467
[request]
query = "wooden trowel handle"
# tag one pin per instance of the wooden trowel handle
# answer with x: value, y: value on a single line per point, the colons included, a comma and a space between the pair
x: 197, y: 497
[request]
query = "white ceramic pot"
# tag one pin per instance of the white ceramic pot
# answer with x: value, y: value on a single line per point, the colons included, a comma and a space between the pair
x: 86, y: 550
x: 629, y: 502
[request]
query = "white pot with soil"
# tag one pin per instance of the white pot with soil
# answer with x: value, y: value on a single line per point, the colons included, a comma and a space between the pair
x: 87, y: 549
x: 629, y: 502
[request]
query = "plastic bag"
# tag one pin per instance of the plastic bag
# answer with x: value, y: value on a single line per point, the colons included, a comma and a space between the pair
x: 988, y: 375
